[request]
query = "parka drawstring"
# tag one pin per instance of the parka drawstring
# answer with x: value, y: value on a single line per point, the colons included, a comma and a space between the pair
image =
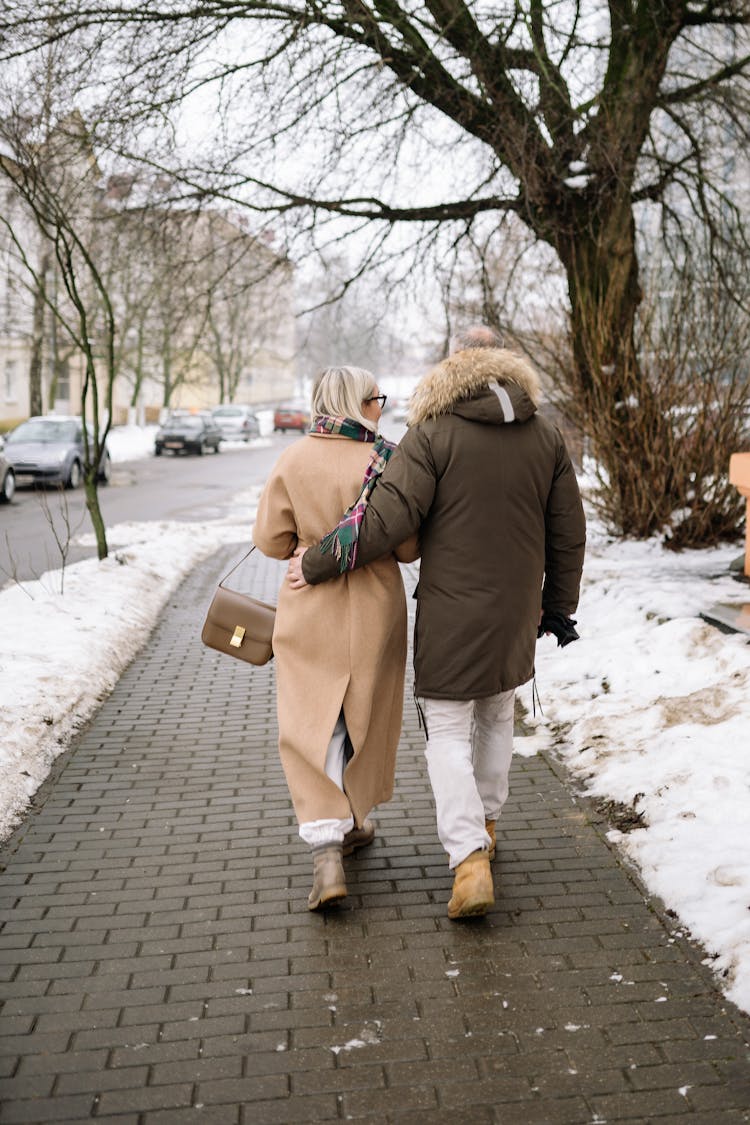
x: 535, y: 698
x: 421, y: 718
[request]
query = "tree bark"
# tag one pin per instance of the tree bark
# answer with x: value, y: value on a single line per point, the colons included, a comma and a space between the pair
x: 94, y: 510
x: 601, y: 266
x: 609, y: 382
x: 36, y: 402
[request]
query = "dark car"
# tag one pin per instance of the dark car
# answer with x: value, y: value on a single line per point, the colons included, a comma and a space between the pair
x: 187, y: 433
x: 7, y: 481
x: 49, y: 448
x: 237, y: 423
x: 291, y: 416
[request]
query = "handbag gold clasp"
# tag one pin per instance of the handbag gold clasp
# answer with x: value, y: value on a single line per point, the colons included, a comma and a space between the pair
x: 237, y: 637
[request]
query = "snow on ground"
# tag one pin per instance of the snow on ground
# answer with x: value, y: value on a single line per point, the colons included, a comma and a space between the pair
x: 90, y: 633
x: 651, y: 707
x: 132, y: 443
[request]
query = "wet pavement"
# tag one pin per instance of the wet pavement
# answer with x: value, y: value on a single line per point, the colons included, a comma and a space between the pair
x: 159, y: 964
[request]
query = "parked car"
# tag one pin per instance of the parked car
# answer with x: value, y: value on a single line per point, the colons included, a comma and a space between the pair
x: 187, y: 433
x: 237, y: 423
x: 291, y: 416
x: 49, y: 449
x: 7, y: 481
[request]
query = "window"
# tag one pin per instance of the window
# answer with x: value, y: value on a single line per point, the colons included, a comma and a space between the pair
x: 10, y: 390
x: 62, y: 393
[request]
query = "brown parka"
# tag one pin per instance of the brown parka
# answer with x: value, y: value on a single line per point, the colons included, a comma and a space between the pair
x: 489, y: 486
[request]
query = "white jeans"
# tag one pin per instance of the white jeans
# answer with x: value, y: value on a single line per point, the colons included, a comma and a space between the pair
x: 317, y: 833
x: 469, y: 748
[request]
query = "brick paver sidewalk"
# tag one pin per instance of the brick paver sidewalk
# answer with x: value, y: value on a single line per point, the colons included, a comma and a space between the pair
x: 160, y: 964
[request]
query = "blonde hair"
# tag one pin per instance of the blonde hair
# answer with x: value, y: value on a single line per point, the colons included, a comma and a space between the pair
x: 341, y: 391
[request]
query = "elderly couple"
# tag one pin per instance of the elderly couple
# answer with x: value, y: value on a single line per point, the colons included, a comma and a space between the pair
x: 482, y: 489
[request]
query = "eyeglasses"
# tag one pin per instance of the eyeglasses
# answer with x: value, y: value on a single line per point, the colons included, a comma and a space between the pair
x: 382, y: 399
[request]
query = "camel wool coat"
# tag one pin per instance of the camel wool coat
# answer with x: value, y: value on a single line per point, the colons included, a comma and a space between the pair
x: 338, y: 646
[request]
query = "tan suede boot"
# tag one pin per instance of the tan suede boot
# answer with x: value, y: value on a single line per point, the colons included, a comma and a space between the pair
x: 473, y: 892
x: 329, y: 884
x: 359, y: 837
x: 489, y: 826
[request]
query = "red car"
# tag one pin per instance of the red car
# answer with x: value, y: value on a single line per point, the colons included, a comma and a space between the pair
x: 291, y: 416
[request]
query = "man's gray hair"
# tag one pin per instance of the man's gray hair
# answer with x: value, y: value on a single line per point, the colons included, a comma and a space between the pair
x: 476, y: 336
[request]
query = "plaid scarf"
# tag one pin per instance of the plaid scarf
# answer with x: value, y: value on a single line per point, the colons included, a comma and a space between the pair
x: 342, y: 542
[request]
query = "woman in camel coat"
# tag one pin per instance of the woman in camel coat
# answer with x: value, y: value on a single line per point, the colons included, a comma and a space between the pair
x: 340, y: 649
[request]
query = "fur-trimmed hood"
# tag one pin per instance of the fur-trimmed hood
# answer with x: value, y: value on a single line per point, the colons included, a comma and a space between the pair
x: 485, y: 384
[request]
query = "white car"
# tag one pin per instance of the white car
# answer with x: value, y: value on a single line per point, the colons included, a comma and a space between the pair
x: 237, y: 423
x: 7, y: 480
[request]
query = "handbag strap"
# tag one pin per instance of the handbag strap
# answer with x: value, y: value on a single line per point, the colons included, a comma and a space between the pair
x: 231, y: 572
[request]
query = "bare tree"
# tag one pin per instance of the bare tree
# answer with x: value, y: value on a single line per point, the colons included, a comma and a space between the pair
x: 52, y: 171
x: 345, y: 323
x: 564, y: 116
x: 244, y: 282
x: 197, y: 295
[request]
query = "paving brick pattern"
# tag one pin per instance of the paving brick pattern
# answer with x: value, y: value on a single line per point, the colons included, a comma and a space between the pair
x: 159, y: 965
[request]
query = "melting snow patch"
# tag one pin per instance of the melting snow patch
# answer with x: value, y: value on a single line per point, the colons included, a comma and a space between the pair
x: 661, y: 1000
x: 244, y: 991
x: 526, y: 746
x: 575, y: 1026
x: 576, y: 182
x: 369, y: 1038
x: 452, y: 972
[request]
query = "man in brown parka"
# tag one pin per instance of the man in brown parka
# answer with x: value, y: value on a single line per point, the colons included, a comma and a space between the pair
x: 489, y: 486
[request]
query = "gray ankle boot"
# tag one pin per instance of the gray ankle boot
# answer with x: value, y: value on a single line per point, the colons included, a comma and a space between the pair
x: 329, y: 884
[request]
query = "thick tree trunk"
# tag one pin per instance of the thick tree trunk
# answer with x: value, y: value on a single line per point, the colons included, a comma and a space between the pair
x: 611, y: 388
x: 602, y: 272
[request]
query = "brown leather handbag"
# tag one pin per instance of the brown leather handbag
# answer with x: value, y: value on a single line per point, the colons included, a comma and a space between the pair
x: 238, y: 624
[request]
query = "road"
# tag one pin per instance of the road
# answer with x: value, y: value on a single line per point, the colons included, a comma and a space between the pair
x: 185, y: 488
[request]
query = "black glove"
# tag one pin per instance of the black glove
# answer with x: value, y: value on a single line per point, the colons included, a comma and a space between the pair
x: 560, y: 625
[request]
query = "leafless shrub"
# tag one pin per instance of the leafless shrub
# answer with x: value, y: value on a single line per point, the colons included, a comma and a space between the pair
x: 60, y: 524
x: 662, y: 454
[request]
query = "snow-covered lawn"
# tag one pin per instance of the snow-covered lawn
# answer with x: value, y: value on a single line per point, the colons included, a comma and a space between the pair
x: 130, y: 443
x: 651, y: 707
